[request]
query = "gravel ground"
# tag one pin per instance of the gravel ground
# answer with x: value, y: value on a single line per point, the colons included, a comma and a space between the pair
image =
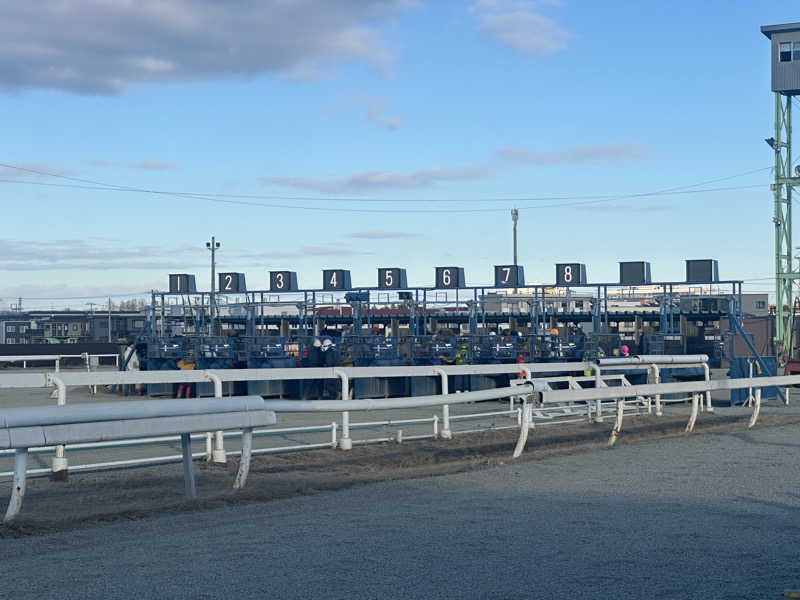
x: 713, y: 515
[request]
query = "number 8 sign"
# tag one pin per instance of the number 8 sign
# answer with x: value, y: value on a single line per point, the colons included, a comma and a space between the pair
x: 570, y: 274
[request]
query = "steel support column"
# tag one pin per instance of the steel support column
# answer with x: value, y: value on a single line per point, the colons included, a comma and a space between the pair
x: 785, y: 273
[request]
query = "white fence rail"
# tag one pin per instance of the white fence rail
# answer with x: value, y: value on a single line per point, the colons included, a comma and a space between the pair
x: 89, y: 359
x: 563, y: 412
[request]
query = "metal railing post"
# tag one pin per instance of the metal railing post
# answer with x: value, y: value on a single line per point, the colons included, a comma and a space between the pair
x: 598, y: 414
x: 707, y: 373
x: 244, y: 463
x: 346, y: 443
x: 756, y: 408
x: 60, y: 463
x: 446, y: 433
x: 693, y: 414
x: 218, y: 455
x: 188, y: 467
x: 18, y: 485
x: 657, y: 380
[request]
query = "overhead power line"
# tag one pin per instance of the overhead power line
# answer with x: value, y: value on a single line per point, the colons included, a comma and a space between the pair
x: 248, y: 200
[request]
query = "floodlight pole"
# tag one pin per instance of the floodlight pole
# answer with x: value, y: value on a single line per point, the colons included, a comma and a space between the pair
x: 213, y: 245
x: 514, y: 219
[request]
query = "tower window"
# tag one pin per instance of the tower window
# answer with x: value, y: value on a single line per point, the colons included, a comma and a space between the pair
x: 785, y: 51
x: 796, y: 51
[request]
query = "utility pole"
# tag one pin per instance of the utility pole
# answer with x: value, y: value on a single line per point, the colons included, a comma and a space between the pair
x: 109, y: 319
x: 213, y: 246
x: 514, y: 219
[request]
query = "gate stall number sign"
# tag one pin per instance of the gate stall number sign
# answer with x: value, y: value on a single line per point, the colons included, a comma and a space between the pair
x: 392, y: 279
x: 182, y: 283
x: 509, y: 276
x: 335, y: 279
x: 282, y: 281
x: 570, y: 274
x: 231, y: 282
x: 450, y: 277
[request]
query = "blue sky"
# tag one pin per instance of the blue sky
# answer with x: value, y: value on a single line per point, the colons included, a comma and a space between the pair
x: 358, y: 134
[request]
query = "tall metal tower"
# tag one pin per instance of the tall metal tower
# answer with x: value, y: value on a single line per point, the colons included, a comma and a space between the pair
x: 785, y: 40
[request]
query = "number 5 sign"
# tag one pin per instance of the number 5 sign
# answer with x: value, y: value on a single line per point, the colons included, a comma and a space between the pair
x: 393, y: 278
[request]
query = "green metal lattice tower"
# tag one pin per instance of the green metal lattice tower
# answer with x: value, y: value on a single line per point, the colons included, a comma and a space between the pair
x: 785, y: 40
x: 785, y: 273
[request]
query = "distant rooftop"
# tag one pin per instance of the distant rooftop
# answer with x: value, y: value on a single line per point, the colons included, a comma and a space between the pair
x: 768, y: 30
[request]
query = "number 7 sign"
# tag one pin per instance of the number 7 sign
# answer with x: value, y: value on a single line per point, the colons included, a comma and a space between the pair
x: 509, y: 276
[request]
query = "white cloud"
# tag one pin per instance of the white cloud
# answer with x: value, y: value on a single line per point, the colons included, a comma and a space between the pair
x: 154, y: 165
x: 381, y: 234
x: 31, y: 169
x: 376, y: 113
x: 147, y: 165
x: 103, y: 46
x: 592, y: 153
x: 91, y: 255
x: 520, y: 25
x: 374, y: 181
x: 305, y: 251
x: 374, y: 109
x: 626, y: 208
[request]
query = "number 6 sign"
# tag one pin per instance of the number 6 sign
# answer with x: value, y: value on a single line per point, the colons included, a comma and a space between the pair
x: 450, y: 277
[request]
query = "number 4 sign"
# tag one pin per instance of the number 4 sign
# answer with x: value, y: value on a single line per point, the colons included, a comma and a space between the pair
x: 336, y: 279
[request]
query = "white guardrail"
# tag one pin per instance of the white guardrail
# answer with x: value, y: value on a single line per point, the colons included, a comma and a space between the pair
x: 88, y: 359
x: 561, y: 410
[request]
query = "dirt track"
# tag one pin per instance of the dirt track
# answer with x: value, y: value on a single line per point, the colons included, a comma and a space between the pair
x: 90, y: 498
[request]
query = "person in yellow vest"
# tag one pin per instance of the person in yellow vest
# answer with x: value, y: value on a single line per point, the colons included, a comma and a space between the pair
x: 190, y: 389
